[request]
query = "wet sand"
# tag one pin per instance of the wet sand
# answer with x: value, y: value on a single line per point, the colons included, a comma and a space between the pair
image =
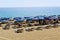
x: 45, y: 34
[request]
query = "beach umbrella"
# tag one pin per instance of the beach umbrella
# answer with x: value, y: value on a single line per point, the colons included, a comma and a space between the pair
x: 36, y: 18
x: 17, y: 18
x: 28, y: 18
x: 53, y: 17
x: 58, y: 16
x: 4, y: 18
x: 46, y: 17
x: 41, y: 17
x: 11, y: 19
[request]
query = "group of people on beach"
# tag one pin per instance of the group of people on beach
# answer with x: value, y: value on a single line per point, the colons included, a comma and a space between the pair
x: 31, y: 23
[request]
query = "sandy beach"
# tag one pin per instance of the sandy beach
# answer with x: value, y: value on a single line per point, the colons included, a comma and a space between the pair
x: 45, y: 34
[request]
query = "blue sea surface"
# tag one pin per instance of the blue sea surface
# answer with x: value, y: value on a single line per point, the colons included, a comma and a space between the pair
x: 28, y: 11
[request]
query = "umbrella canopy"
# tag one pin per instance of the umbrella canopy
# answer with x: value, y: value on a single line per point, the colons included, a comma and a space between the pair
x: 46, y: 17
x: 4, y: 18
x: 28, y: 18
x: 53, y: 17
x: 36, y: 18
x: 39, y: 17
x: 18, y: 19
x: 58, y: 16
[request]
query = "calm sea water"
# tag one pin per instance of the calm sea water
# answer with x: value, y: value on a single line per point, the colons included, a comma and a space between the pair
x: 29, y: 11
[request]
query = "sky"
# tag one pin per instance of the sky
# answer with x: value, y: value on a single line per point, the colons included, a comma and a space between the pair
x: 29, y: 3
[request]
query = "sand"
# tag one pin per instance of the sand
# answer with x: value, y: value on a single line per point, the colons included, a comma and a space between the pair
x: 45, y: 34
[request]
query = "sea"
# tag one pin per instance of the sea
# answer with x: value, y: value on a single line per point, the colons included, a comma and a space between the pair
x: 28, y: 11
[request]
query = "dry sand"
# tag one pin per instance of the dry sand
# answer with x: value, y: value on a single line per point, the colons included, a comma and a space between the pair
x: 45, y: 34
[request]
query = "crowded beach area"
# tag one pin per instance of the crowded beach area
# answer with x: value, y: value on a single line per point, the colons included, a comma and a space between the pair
x: 30, y: 28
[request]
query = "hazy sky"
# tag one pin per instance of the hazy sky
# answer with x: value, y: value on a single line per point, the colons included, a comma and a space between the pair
x: 29, y: 3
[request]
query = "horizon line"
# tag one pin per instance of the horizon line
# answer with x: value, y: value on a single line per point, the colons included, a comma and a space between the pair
x: 22, y: 7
